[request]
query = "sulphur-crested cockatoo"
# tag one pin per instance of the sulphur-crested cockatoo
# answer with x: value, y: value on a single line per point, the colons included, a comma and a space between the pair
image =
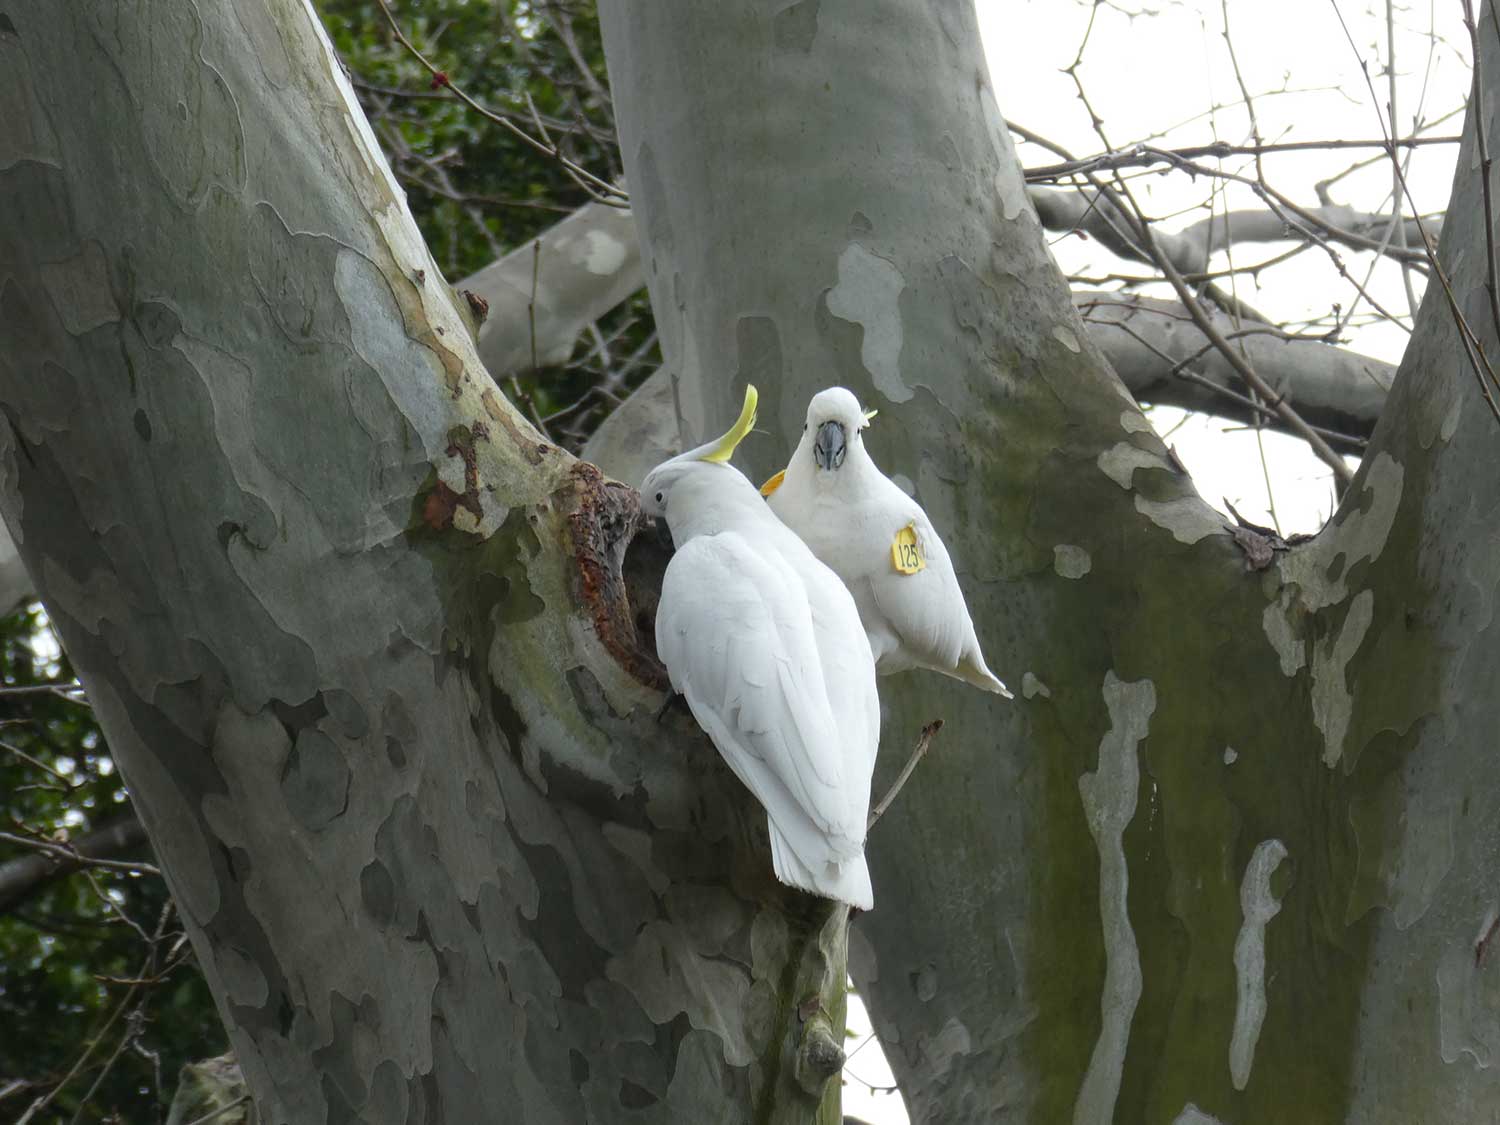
x: 880, y: 542
x: 765, y: 644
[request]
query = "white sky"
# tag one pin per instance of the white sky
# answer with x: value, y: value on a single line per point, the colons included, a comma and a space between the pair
x: 1163, y: 73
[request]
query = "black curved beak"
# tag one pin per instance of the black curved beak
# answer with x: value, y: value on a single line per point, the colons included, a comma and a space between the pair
x: 828, y: 446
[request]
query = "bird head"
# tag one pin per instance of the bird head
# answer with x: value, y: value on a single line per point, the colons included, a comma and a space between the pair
x: 662, y: 481
x: 834, y: 422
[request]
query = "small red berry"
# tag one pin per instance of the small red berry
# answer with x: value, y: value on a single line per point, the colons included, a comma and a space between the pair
x: 439, y: 78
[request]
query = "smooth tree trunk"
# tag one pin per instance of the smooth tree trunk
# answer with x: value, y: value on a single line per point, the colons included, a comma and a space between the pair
x: 1230, y: 856
x: 362, y: 644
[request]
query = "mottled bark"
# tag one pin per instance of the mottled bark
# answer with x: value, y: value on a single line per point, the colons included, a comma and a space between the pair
x: 358, y: 639
x: 1229, y: 855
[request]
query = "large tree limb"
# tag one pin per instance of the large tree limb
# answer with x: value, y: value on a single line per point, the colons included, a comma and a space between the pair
x: 545, y: 292
x: 1190, y: 248
x: 1162, y: 356
x: 360, y: 640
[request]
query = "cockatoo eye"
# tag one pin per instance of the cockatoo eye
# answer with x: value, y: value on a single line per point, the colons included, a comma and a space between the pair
x: 659, y: 497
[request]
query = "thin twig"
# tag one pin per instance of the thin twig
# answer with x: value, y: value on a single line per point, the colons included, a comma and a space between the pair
x: 1142, y: 156
x: 924, y: 740
x: 63, y: 851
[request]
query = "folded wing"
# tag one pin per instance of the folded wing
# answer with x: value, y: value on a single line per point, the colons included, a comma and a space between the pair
x: 735, y: 630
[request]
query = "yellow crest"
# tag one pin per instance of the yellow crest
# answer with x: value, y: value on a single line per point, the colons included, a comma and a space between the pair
x: 773, y: 484
x: 723, y: 449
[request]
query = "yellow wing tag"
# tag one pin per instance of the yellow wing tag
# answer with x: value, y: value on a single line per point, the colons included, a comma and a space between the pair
x: 773, y: 484
x: 906, y: 552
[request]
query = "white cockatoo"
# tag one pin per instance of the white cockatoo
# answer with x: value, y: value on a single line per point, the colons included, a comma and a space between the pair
x: 880, y: 542
x: 765, y: 644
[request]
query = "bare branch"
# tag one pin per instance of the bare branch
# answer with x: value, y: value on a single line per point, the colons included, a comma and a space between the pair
x: 22, y: 877
x: 1157, y: 349
x: 924, y: 742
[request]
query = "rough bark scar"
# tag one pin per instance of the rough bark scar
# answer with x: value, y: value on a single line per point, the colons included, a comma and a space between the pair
x: 478, y: 306
x: 1260, y: 544
x: 604, y: 522
x: 442, y: 501
x: 437, y: 512
x: 1481, y: 947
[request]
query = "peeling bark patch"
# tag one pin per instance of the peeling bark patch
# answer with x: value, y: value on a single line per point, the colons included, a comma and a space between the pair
x: 952, y: 1041
x: 605, y: 517
x: 1065, y: 337
x: 1192, y: 1115
x: 796, y: 26
x: 1121, y: 460
x: 1070, y: 561
x: 1134, y: 422
x: 1109, y: 800
x: 868, y: 293
x: 530, y: 448
x: 1031, y: 687
x: 450, y: 501
x: 315, y: 780
x: 80, y: 292
x: 666, y: 977
x: 605, y: 253
x: 1276, y: 621
x: 1332, y: 701
x: 1186, y: 517
x: 1468, y: 1016
x: 1258, y: 906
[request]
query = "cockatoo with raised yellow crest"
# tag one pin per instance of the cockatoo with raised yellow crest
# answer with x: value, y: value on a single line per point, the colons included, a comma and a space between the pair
x: 880, y: 542
x: 765, y: 644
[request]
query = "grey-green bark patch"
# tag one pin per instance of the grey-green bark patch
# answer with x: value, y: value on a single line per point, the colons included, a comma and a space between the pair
x: 796, y: 26
x: 868, y: 293
x: 1070, y: 561
x: 1332, y: 700
x: 1276, y: 623
x: 1258, y: 906
x: 1067, y: 339
x: 1109, y: 800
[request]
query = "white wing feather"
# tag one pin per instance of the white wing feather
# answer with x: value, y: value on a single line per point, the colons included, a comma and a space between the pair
x: 737, y: 634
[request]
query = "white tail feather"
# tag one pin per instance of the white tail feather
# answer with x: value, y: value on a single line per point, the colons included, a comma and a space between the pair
x: 848, y: 881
